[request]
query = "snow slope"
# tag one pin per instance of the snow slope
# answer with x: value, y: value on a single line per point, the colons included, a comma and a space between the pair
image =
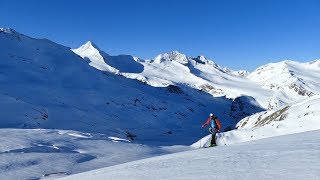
x: 287, y: 157
x: 43, y: 154
x: 293, y: 118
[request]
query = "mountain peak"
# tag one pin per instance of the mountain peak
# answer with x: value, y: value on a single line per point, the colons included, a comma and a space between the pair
x: 8, y: 30
x: 90, y: 48
x: 201, y: 58
x: 175, y: 52
x: 315, y: 63
x: 172, y: 56
x: 12, y: 34
x: 90, y: 45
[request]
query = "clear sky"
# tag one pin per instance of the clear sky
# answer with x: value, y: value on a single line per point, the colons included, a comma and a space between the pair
x: 239, y: 34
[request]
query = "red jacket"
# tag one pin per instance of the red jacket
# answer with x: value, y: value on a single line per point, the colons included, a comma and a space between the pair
x: 216, y: 121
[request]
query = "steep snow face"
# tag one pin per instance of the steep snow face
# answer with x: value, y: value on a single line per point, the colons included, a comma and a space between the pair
x: 244, y: 106
x: 104, y: 62
x: 95, y: 56
x: 299, y: 117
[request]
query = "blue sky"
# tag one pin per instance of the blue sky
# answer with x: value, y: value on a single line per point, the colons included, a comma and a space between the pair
x: 240, y: 34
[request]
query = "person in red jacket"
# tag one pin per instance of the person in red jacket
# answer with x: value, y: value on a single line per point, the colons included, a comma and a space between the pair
x: 215, y: 127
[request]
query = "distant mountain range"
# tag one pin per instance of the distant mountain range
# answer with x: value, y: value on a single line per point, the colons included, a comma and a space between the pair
x: 272, y: 85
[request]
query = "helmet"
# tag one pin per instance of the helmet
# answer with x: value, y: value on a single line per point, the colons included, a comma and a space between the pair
x: 211, y: 115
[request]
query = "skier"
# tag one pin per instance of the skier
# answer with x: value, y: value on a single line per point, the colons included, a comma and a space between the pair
x: 215, y: 127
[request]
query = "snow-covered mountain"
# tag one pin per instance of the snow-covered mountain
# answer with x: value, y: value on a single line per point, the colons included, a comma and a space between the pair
x: 272, y: 86
x: 290, y: 80
x: 292, y: 118
x: 91, y: 103
x: 46, y: 85
x: 275, y: 86
x: 104, y: 62
x: 95, y: 56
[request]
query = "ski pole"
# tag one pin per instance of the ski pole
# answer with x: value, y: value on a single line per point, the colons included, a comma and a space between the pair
x: 201, y: 137
x: 223, y: 140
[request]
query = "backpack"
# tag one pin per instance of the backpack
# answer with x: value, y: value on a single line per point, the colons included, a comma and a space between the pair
x: 215, y: 123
